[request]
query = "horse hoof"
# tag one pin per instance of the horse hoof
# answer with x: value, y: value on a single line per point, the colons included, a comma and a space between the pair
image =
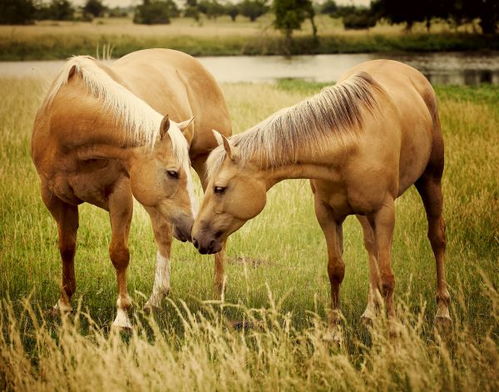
x: 56, y: 312
x: 443, y: 323
x: 367, y: 320
x: 334, y: 337
x: 150, y: 308
x: 122, y: 327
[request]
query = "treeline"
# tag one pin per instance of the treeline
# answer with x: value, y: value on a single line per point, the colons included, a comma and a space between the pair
x: 161, y: 11
x: 29, y: 11
x: 288, y: 14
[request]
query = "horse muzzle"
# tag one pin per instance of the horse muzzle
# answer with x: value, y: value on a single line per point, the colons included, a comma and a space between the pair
x: 207, y: 246
x: 182, y: 229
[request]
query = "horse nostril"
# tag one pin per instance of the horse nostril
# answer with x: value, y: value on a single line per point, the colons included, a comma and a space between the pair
x: 195, y: 243
x: 212, y: 243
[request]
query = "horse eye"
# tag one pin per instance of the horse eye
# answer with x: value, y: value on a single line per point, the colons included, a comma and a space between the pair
x: 172, y: 173
x: 219, y: 189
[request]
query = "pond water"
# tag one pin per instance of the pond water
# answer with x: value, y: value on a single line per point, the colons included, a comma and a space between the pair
x: 440, y: 67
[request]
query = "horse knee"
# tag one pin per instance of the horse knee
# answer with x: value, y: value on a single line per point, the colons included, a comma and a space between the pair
x: 336, y: 271
x: 67, y: 252
x: 120, y: 256
x: 436, y: 234
x: 387, y: 284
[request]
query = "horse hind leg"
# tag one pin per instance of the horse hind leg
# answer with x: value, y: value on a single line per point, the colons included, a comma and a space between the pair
x: 66, y: 216
x: 430, y: 189
x: 120, y: 212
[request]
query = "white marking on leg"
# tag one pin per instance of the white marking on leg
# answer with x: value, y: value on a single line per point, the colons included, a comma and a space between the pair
x: 373, y: 304
x: 122, y: 320
x: 161, y: 284
x: 63, y: 306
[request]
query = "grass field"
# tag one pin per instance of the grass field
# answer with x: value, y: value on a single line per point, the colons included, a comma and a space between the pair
x: 276, y: 278
x: 58, y: 40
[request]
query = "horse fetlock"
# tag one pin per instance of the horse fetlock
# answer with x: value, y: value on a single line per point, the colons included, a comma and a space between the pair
x: 124, y: 302
x: 63, y: 306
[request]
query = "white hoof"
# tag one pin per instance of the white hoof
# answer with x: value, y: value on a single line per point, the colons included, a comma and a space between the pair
x: 121, y: 322
x: 368, y: 317
x: 151, y: 307
x: 335, y: 337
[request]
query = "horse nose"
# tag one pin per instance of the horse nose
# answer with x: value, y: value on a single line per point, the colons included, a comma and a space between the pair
x: 195, y: 243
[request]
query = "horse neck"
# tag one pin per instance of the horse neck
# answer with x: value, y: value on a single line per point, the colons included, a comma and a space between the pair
x: 319, y: 171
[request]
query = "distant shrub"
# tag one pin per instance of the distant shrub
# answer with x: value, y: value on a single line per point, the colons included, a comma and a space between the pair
x: 56, y: 10
x: 361, y: 19
x: 232, y: 10
x: 253, y: 9
x: 17, y: 11
x: 155, y: 12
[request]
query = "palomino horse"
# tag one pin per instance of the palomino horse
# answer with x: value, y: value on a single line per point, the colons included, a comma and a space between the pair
x: 99, y: 137
x: 362, y: 143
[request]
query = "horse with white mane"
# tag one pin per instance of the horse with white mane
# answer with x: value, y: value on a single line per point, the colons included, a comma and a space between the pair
x: 362, y: 143
x: 105, y: 133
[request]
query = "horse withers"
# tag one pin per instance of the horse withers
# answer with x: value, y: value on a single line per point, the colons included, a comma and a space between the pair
x: 362, y: 143
x: 105, y: 134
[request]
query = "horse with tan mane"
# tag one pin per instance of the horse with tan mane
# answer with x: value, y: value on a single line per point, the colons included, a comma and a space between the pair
x: 105, y: 133
x: 362, y: 143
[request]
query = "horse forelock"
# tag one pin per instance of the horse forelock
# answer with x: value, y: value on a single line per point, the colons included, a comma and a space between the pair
x: 336, y: 113
x: 137, y: 118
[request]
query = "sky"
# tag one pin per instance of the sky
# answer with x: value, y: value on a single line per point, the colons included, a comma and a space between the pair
x: 125, y: 3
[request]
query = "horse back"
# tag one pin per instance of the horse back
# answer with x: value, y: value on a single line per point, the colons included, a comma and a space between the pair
x: 408, y: 106
x: 177, y: 84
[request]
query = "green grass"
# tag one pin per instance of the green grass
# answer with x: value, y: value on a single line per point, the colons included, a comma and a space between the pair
x: 276, y: 273
x: 48, y: 41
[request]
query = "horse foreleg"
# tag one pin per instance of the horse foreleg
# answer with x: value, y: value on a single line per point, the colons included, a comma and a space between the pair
x: 332, y: 229
x: 374, y: 295
x: 219, y: 284
x: 66, y: 216
x: 161, y: 287
x: 199, y: 165
x: 120, y: 212
x: 383, y: 222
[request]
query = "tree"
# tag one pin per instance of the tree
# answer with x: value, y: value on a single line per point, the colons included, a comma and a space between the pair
x: 94, y: 8
x: 396, y: 11
x: 17, y: 11
x: 232, y: 10
x: 155, y: 12
x: 290, y: 14
x: 329, y: 8
x: 362, y: 18
x: 253, y: 9
x: 463, y: 11
x: 211, y: 8
x: 191, y: 9
x: 57, y: 10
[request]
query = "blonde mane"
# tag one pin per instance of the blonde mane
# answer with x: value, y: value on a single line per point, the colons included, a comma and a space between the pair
x: 138, y: 119
x: 336, y: 112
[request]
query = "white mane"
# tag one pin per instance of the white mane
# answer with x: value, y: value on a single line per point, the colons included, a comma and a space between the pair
x: 336, y: 113
x: 140, y: 121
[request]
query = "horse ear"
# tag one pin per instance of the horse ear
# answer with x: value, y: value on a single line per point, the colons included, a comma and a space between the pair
x: 72, y: 72
x: 164, y: 127
x: 230, y: 149
x: 184, y: 124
